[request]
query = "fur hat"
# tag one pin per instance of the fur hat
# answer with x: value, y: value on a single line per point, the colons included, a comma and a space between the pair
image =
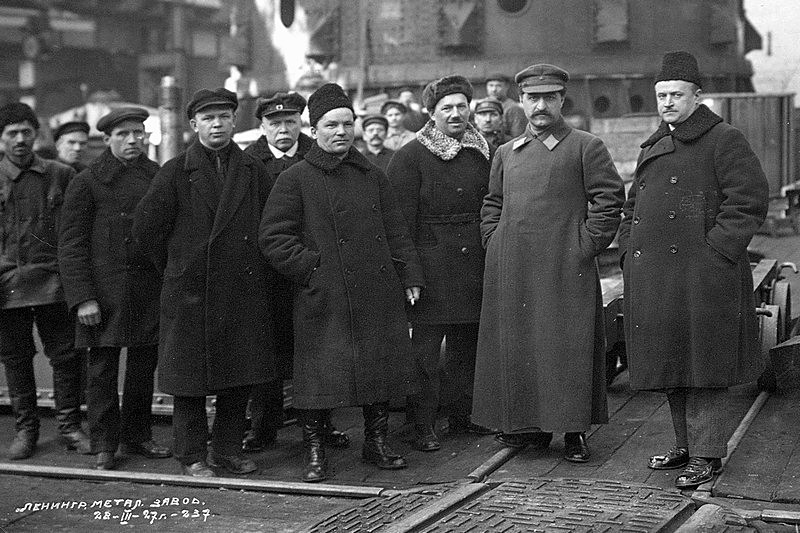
x: 206, y: 98
x: 17, y: 112
x: 438, y: 89
x: 329, y: 96
x: 679, y: 65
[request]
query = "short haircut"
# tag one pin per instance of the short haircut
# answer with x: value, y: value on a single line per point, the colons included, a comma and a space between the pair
x: 15, y: 113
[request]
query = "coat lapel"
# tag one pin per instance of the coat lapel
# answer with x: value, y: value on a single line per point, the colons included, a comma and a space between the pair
x: 237, y: 182
x: 202, y: 175
x: 664, y: 145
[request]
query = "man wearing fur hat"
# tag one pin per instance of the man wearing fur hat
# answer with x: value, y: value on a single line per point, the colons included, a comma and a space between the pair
x: 333, y: 226
x: 554, y: 203
x: 441, y: 178
x: 199, y: 220
x: 698, y: 197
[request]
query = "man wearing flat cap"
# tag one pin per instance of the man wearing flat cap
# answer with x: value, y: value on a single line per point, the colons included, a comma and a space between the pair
x: 31, y: 197
x: 397, y: 135
x: 489, y: 121
x: 375, y: 128
x: 281, y: 146
x: 554, y: 203
x: 199, y: 219
x: 699, y: 195
x: 332, y: 225
x: 113, y: 288
x: 514, y: 119
x: 71, y: 140
x: 441, y: 178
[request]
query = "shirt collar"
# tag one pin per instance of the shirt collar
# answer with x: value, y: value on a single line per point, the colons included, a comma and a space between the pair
x: 288, y: 153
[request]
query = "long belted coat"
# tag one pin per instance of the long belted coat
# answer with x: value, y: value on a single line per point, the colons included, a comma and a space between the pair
x: 554, y: 203
x: 216, y: 324
x: 334, y: 227
x: 97, y: 257
x: 698, y: 198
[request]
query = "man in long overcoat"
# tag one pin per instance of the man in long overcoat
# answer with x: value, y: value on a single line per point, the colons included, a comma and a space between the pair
x: 698, y: 197
x: 554, y: 203
x: 200, y: 218
x: 441, y: 178
x: 332, y: 224
x: 113, y: 289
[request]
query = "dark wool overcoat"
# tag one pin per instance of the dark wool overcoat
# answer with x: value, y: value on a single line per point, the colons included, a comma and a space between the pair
x: 441, y: 200
x: 30, y: 214
x: 554, y: 203
x: 283, y: 327
x: 216, y: 323
x: 97, y: 256
x: 698, y: 198
x: 334, y: 227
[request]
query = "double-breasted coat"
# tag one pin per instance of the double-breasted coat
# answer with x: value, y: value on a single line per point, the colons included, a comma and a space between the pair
x: 698, y: 198
x: 554, y: 203
x: 97, y: 257
x: 334, y: 227
x: 441, y: 200
x: 216, y: 324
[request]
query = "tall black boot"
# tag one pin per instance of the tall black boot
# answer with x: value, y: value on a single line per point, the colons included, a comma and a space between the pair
x: 22, y: 390
x: 67, y: 392
x: 266, y: 416
x: 316, y: 468
x: 330, y: 435
x: 376, y: 450
x: 424, y: 416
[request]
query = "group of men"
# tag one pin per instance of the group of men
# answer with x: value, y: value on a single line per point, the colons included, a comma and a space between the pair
x: 302, y: 258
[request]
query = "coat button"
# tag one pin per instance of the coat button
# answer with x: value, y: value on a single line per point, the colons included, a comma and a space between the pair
x: 127, y: 240
x: 464, y: 250
x: 641, y: 185
x: 671, y: 214
x: 673, y: 249
x: 375, y: 207
x: 342, y: 241
x: 460, y: 190
x: 378, y: 238
x: 637, y: 253
x: 246, y: 237
x: 636, y: 220
x: 673, y: 179
x: 383, y: 268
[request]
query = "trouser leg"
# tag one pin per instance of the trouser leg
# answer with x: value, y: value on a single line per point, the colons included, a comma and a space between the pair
x: 461, y: 344
x: 426, y: 343
x: 102, y: 399
x: 677, y: 407
x: 229, y: 420
x: 17, y: 351
x: 705, y: 418
x: 266, y: 410
x: 137, y: 394
x: 189, y: 429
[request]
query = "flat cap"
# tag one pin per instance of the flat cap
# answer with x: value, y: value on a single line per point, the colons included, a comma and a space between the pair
x: 372, y: 119
x: 208, y: 97
x: 69, y: 127
x: 389, y: 104
x: 679, y: 65
x: 542, y: 78
x: 280, y: 103
x: 438, y: 89
x: 498, y: 76
x: 490, y: 103
x: 328, y: 97
x: 120, y: 114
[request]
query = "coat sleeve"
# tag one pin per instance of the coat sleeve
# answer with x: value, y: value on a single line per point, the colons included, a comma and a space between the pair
x: 404, y: 254
x: 155, y: 216
x: 745, y: 195
x: 605, y: 194
x: 493, y: 201
x: 74, y: 243
x: 280, y: 234
x: 405, y: 178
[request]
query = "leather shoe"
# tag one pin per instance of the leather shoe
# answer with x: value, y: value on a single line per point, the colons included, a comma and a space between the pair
x: 104, y: 461
x: 148, y: 448
x: 460, y: 424
x: 235, y: 464
x: 77, y: 440
x: 697, y: 472
x: 198, y: 469
x: 575, y: 448
x: 256, y: 443
x: 675, y: 458
x: 426, y: 441
x: 334, y: 438
x: 537, y: 439
x: 23, y: 445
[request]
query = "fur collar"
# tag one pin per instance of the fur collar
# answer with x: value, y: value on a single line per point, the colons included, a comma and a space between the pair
x: 445, y: 147
x: 691, y: 129
x: 328, y: 162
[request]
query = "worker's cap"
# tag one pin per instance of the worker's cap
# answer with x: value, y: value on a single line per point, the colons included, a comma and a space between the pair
x: 542, y: 78
x: 70, y: 127
x: 488, y: 104
x: 375, y: 119
x: 206, y: 98
x: 389, y: 104
x: 107, y: 122
x: 498, y: 76
x: 280, y: 103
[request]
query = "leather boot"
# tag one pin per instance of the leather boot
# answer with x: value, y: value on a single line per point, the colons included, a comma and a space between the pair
x: 425, y: 439
x: 330, y: 435
x: 376, y: 450
x: 67, y: 392
x: 266, y: 416
x: 316, y: 468
x: 22, y: 390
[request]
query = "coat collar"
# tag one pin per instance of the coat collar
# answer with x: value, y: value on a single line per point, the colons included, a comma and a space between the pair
x: 106, y: 168
x: 261, y: 147
x: 445, y: 147
x: 328, y: 162
x: 550, y: 137
x: 12, y: 171
x: 691, y: 129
